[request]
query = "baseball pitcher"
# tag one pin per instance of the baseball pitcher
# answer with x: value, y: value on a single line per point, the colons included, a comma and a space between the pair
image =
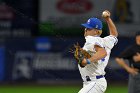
x: 92, y: 68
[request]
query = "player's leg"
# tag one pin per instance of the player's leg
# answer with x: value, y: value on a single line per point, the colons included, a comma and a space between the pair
x: 86, y: 88
x: 100, y: 86
x: 94, y: 87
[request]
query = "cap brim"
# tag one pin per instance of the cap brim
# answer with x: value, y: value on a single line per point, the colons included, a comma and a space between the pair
x: 87, y: 26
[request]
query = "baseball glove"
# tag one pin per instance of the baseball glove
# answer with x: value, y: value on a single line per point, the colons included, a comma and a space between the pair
x: 80, y: 54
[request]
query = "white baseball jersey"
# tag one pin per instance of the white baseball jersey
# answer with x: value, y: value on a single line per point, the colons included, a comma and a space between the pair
x: 97, y: 68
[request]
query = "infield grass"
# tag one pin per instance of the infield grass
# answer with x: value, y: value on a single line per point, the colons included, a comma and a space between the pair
x: 55, y: 89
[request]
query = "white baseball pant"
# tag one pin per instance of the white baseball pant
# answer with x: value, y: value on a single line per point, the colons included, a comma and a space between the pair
x: 96, y: 86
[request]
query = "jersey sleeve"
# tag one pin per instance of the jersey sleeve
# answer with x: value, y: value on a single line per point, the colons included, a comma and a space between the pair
x: 110, y: 41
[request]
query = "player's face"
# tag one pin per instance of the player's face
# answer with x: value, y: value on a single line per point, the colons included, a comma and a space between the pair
x: 87, y: 31
x: 91, y: 32
x: 138, y: 39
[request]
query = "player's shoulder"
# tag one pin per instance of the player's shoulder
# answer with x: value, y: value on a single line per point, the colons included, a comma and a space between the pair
x: 94, y: 39
x: 97, y: 38
x: 91, y: 38
x: 111, y: 38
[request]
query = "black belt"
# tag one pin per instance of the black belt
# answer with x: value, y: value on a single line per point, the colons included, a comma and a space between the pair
x: 100, y: 76
x: 97, y: 77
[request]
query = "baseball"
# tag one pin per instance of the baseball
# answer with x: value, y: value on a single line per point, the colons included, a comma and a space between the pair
x: 105, y: 14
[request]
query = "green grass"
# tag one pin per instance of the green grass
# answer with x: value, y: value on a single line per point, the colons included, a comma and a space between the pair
x: 39, y: 89
x: 117, y: 89
x: 55, y: 89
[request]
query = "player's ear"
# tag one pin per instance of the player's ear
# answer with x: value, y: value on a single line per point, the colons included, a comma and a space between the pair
x: 100, y: 32
x: 96, y: 31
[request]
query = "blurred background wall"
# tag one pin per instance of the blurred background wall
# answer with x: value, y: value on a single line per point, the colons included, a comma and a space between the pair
x: 36, y: 35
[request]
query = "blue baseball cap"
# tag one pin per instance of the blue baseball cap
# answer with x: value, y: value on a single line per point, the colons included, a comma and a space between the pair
x: 93, y: 23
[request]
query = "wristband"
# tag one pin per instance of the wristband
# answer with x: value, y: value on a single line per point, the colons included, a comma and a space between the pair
x: 88, y: 61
